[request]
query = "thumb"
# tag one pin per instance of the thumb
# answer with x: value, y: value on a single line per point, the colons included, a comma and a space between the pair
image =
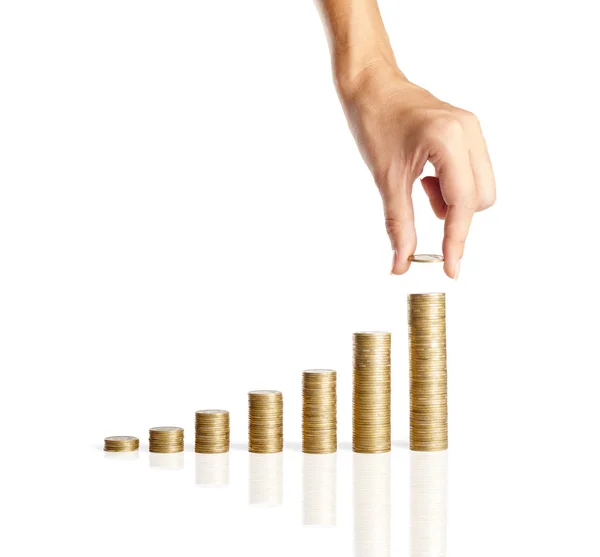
x: 400, y: 225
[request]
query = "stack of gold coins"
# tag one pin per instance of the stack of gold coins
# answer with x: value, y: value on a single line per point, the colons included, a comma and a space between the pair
x: 371, y: 424
x: 265, y: 422
x: 319, y: 404
x: 121, y: 444
x: 212, y: 431
x: 166, y: 439
x: 428, y: 378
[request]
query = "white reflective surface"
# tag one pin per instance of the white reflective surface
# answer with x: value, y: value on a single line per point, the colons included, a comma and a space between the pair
x: 450, y: 504
x: 372, y: 505
x: 265, y: 484
x: 319, y: 489
x: 428, y: 504
x: 166, y: 461
x: 212, y: 470
x: 122, y: 457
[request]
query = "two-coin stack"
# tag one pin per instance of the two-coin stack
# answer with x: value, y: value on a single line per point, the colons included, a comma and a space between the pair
x: 212, y: 431
x: 121, y: 444
x: 319, y: 422
x: 428, y: 376
x: 166, y: 439
x: 371, y: 424
x: 265, y: 421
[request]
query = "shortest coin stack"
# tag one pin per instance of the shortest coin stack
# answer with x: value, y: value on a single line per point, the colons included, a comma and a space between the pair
x: 121, y: 444
x: 212, y: 431
x: 166, y: 439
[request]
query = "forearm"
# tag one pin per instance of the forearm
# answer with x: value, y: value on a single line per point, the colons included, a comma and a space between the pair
x: 357, y: 38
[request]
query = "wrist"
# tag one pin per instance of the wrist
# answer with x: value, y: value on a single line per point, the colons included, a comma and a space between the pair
x: 356, y: 71
x: 359, y: 44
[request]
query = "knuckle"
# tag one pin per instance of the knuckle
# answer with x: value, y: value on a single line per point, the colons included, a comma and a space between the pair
x: 468, y: 118
x: 392, y: 226
x: 445, y: 128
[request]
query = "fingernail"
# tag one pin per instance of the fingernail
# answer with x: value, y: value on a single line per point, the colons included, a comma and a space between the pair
x: 394, y: 256
x: 457, y: 269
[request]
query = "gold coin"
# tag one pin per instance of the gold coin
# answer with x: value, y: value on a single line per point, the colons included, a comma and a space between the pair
x: 426, y: 258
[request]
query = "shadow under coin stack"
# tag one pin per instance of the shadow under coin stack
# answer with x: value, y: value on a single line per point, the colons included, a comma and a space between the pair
x: 319, y: 422
x: 371, y: 427
x: 428, y: 376
x: 166, y: 439
x: 265, y: 422
x: 212, y: 431
x: 121, y: 444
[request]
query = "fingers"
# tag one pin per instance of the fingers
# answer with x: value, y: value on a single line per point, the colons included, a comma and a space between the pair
x: 452, y: 162
x: 456, y: 229
x: 481, y: 165
x: 431, y: 185
x: 465, y: 182
x: 399, y: 222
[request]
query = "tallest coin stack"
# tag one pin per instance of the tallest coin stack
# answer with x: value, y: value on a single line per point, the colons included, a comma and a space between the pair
x: 428, y: 376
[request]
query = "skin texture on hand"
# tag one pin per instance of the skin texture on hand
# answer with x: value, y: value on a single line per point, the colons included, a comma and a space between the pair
x: 398, y: 127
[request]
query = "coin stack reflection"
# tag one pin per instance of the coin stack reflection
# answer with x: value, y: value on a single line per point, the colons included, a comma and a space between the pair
x: 166, y: 461
x: 371, y: 494
x: 265, y: 422
x: 371, y: 428
x: 166, y: 439
x: 319, y: 489
x: 319, y: 422
x: 212, y: 431
x: 428, y: 503
x: 266, y: 479
x: 212, y: 470
x: 428, y: 378
x: 121, y: 443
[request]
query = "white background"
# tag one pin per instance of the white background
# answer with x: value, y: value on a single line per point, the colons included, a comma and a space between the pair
x: 184, y: 217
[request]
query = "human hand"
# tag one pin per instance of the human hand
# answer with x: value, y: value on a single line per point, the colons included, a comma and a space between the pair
x: 398, y: 127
